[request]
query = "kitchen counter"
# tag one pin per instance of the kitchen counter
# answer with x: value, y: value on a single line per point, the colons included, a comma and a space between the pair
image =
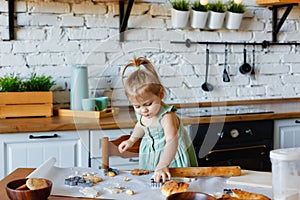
x: 282, y: 109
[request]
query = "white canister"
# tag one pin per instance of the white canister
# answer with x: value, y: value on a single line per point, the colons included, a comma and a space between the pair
x: 286, y: 173
x: 79, y: 87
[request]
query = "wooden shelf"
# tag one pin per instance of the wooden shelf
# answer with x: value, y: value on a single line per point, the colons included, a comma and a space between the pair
x: 275, y: 2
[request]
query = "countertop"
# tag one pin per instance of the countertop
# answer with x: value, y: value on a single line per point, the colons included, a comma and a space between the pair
x: 282, y: 109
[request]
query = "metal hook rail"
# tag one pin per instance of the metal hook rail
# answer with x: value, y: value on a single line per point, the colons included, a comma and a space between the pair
x: 265, y: 44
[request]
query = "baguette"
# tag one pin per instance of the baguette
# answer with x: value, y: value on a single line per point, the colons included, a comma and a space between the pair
x: 225, y: 171
x: 243, y: 195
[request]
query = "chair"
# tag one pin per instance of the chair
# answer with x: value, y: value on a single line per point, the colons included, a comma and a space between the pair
x: 110, y: 148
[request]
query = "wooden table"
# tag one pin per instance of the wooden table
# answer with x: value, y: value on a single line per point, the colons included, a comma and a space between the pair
x: 22, y: 173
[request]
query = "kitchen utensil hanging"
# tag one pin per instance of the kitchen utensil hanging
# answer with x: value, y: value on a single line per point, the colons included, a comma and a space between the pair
x: 225, y: 73
x: 252, y: 74
x: 245, y: 68
x: 207, y: 86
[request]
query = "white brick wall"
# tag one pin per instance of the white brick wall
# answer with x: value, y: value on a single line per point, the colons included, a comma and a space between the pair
x: 52, y: 36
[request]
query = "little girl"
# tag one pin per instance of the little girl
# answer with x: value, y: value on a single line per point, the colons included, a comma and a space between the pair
x: 165, y: 143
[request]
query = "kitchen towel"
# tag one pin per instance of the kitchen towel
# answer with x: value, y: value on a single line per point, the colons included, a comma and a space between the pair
x: 43, y: 169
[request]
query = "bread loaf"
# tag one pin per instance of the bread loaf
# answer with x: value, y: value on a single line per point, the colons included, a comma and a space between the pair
x: 172, y: 187
x: 36, y: 183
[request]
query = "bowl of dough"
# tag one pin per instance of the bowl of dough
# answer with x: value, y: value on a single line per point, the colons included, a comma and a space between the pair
x: 29, y: 189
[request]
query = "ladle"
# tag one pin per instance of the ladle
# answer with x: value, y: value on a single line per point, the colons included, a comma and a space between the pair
x: 225, y: 73
x: 245, y: 68
x: 207, y: 86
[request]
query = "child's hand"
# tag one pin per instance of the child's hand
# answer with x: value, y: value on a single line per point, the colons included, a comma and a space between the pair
x: 125, y: 145
x: 161, y: 173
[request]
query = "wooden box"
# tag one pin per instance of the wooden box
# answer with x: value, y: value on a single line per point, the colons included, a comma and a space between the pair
x: 26, y: 104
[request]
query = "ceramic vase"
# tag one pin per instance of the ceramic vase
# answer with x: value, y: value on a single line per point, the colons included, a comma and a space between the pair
x: 233, y: 20
x: 179, y: 18
x: 79, y: 87
x: 215, y: 20
x: 198, y: 19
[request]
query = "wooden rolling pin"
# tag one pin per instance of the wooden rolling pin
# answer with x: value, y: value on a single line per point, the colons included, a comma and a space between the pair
x: 205, y: 171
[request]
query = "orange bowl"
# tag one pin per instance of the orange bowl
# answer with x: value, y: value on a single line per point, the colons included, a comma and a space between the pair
x: 190, y: 196
x: 26, y: 194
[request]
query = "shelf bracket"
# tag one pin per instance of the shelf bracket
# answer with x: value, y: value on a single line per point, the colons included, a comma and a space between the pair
x: 11, y: 18
x: 124, y: 17
x: 275, y: 24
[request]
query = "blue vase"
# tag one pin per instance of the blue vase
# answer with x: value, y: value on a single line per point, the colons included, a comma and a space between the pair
x: 79, y: 86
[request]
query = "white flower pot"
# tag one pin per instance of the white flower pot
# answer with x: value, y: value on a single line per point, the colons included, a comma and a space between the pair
x: 179, y: 18
x: 215, y: 20
x: 233, y: 20
x: 198, y: 19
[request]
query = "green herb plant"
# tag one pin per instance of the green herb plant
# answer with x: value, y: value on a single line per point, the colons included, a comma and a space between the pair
x: 235, y: 8
x: 197, y: 6
x: 13, y: 83
x: 217, y: 7
x: 38, y: 83
x: 182, y: 5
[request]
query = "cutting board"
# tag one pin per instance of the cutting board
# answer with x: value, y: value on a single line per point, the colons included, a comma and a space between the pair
x: 108, y: 112
x: 252, y: 178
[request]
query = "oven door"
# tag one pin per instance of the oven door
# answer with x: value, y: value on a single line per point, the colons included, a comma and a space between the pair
x: 255, y: 157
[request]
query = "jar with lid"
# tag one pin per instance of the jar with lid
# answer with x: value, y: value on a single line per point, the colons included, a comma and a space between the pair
x: 286, y: 173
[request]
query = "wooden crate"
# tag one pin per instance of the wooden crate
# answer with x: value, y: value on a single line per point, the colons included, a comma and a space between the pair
x: 26, y: 104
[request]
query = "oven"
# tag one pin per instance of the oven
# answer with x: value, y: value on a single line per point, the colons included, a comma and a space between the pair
x: 243, y: 143
x: 246, y: 144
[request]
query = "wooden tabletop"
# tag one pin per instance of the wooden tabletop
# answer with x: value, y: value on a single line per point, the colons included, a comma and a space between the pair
x: 22, y: 173
x: 282, y: 109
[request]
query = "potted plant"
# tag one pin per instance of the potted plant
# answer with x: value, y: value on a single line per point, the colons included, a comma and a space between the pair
x: 234, y: 14
x: 180, y: 13
x: 216, y: 15
x: 25, y: 98
x: 199, y: 13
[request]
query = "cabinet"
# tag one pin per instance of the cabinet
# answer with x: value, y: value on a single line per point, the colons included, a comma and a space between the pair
x: 70, y: 148
x: 287, y: 133
x: 96, y: 150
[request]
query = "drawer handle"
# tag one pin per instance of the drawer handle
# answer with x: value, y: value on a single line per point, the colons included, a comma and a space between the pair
x: 43, y: 136
x: 133, y: 160
x: 297, y: 121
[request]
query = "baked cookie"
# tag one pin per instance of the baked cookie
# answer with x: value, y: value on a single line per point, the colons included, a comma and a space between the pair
x: 139, y: 172
x: 172, y: 187
x: 36, y: 183
x: 95, y: 179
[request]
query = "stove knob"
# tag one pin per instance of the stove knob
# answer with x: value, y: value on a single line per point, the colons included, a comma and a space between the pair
x: 234, y: 133
x: 249, y: 132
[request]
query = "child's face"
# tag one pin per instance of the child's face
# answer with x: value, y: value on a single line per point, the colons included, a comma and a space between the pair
x: 148, y: 106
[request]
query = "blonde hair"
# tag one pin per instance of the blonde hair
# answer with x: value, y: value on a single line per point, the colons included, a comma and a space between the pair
x: 141, y: 80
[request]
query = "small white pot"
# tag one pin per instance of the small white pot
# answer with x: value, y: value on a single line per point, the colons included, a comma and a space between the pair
x: 179, y: 18
x: 198, y: 19
x: 215, y: 20
x: 233, y: 20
